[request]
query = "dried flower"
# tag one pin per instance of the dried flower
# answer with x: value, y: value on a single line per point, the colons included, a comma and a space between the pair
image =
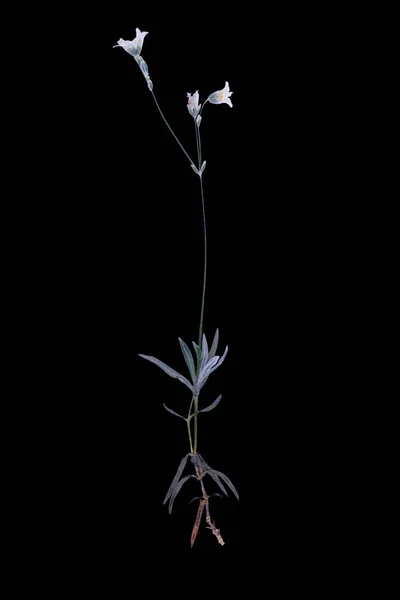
x: 221, y: 97
x: 193, y: 104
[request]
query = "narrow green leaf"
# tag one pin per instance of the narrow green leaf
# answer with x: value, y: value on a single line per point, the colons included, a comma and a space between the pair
x: 176, y: 491
x: 211, y: 406
x: 214, y: 345
x: 217, y: 480
x: 221, y: 360
x: 228, y: 482
x: 207, y: 369
x: 204, y: 353
x: 179, y: 472
x: 187, y: 355
x: 168, y: 370
x: 174, y: 413
x: 197, y: 353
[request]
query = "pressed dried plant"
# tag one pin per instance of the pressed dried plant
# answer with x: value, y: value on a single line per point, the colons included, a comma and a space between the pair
x: 204, y: 360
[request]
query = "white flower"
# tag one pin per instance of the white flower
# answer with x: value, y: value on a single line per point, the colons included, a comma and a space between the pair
x: 222, y: 96
x: 193, y: 104
x: 135, y: 46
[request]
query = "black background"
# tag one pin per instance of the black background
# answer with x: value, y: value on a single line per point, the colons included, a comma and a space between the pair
x: 117, y: 271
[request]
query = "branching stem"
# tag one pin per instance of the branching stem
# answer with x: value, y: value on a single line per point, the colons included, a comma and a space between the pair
x: 204, y: 502
x: 170, y: 128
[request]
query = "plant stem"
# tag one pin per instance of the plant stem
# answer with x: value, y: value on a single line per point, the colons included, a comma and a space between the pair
x: 204, y: 502
x: 167, y: 124
x: 196, y: 408
x: 196, y: 400
x: 188, y: 426
x: 205, y: 237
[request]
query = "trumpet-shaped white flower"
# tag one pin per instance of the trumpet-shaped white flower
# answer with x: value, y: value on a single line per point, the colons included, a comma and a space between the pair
x: 135, y: 46
x: 221, y: 97
x: 193, y: 104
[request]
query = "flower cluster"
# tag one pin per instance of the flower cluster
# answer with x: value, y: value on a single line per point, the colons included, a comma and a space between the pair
x: 134, y: 48
x: 219, y: 97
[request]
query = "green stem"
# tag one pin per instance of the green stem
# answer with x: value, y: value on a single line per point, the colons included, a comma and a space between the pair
x: 188, y: 426
x: 196, y: 408
x: 167, y: 124
x: 196, y: 398
x: 205, y: 239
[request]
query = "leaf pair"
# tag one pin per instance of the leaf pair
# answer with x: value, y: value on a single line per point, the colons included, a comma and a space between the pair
x: 176, y: 484
x: 203, y: 166
x: 206, y: 409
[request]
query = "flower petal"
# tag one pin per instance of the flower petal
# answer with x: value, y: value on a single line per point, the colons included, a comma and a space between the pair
x: 129, y: 46
x: 221, y: 96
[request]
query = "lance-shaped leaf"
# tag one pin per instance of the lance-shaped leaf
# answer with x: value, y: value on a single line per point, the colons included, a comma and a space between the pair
x: 203, y: 166
x: 204, y: 353
x: 228, y: 482
x: 175, y: 413
x: 194, y: 169
x: 187, y: 355
x: 179, y: 472
x: 205, y: 372
x: 221, y: 360
x: 217, y: 480
x: 168, y: 370
x: 211, y: 406
x: 214, y: 345
x: 176, y: 491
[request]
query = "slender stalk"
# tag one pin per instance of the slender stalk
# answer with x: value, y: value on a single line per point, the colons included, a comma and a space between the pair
x: 196, y: 400
x: 196, y: 408
x: 188, y: 426
x: 204, y: 502
x: 205, y: 237
x: 167, y: 124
